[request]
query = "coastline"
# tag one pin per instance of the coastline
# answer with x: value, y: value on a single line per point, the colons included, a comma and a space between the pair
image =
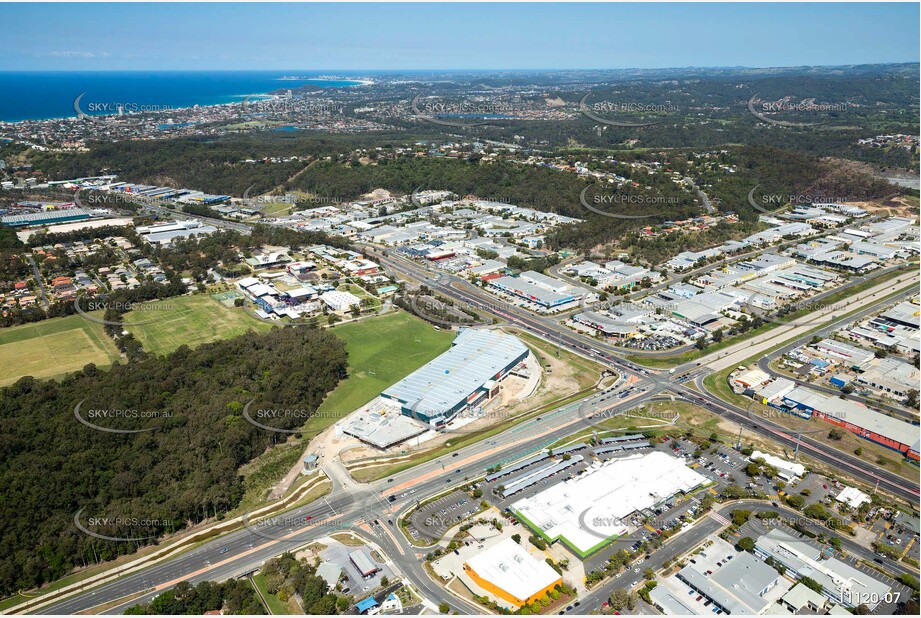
x: 213, y: 100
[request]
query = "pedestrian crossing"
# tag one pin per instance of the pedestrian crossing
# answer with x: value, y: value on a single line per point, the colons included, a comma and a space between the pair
x: 719, y: 518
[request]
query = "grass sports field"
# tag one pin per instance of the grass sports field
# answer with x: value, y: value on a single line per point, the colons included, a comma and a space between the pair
x: 52, y: 348
x: 381, y: 351
x: 191, y: 320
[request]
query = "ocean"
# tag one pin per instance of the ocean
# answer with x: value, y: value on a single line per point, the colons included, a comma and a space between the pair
x: 44, y: 95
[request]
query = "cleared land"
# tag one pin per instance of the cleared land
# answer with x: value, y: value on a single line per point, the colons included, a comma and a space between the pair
x: 382, y: 350
x: 657, y: 417
x: 572, y: 377
x: 163, y: 326
x: 53, y: 348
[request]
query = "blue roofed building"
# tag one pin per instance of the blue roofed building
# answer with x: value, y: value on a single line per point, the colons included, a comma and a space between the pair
x: 366, y: 606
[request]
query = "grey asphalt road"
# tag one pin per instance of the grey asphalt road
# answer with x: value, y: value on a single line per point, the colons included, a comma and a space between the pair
x: 764, y: 362
x: 551, y: 330
x: 241, y: 551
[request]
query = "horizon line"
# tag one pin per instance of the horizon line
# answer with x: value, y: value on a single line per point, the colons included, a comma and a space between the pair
x: 497, y: 70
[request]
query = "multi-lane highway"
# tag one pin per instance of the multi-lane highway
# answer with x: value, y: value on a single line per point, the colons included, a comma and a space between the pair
x: 364, y: 508
x: 350, y: 506
x: 551, y: 330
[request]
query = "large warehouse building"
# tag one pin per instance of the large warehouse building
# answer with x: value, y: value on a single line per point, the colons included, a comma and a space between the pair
x: 509, y: 572
x: 46, y: 217
x: 588, y: 512
x: 857, y: 418
x: 840, y: 582
x: 537, y: 288
x: 464, y: 376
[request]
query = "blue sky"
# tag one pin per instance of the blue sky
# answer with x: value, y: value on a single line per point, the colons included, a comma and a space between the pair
x: 120, y: 36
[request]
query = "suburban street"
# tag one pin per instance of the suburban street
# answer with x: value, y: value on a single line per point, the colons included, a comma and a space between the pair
x: 355, y: 506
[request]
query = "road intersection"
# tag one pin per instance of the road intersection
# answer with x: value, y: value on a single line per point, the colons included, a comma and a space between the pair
x: 363, y: 508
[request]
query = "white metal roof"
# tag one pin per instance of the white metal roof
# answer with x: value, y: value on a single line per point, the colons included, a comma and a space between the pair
x: 477, y: 356
x: 587, y: 509
x: 511, y: 568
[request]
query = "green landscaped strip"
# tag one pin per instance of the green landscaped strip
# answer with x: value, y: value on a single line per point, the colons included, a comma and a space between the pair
x: 582, y: 554
x: 717, y: 382
x: 276, y: 607
x: 691, y: 355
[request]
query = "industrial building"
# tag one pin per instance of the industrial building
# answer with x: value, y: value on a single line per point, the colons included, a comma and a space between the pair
x: 737, y: 586
x: 165, y: 233
x: 616, y: 327
x: 753, y: 378
x: 330, y: 573
x: 840, y: 582
x: 855, y: 417
x: 537, y: 288
x: 891, y: 376
x: 381, y: 426
x: 340, y: 301
x: 363, y: 563
x: 903, y: 314
x: 510, y: 573
x: 775, y: 389
x: 852, y: 356
x: 463, y: 377
x: 852, y: 497
x: 86, y: 224
x: 804, y: 601
x: 787, y: 470
x: 588, y: 512
x: 719, y: 579
x: 46, y: 217
x: 705, y: 309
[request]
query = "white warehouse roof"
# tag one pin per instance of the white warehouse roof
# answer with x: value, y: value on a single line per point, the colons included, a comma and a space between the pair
x: 476, y: 357
x: 587, y: 510
x: 511, y: 568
